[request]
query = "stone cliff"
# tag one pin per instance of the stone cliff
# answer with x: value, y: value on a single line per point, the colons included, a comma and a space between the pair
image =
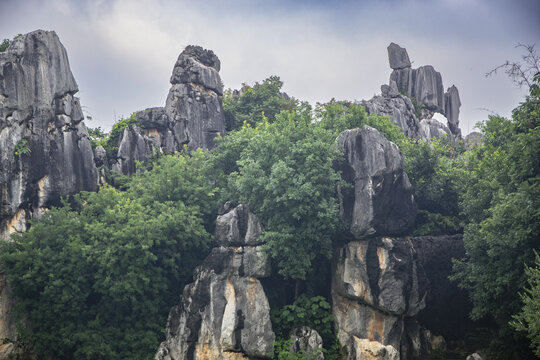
x: 193, y: 113
x: 44, y: 145
x: 224, y: 313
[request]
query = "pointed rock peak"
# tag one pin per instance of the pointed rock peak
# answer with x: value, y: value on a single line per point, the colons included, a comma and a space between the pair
x: 206, y: 57
x: 398, y: 57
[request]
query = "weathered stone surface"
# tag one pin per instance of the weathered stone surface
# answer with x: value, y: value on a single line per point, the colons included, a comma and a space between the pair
x: 398, y: 107
x: 238, y: 227
x: 426, y: 86
x: 354, y: 319
x: 365, y: 349
x: 431, y: 128
x: 224, y: 313
x: 192, y: 116
x: 383, y: 273
x: 398, y: 57
x: 307, y: 341
x: 380, y: 200
x: 39, y: 113
x: 452, y: 105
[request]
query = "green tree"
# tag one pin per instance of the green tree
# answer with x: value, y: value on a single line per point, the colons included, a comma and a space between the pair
x: 95, y: 278
x: 285, y: 173
x: 252, y: 103
x: 501, y: 201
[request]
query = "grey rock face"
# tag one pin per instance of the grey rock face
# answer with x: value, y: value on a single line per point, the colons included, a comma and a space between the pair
x: 355, y: 321
x: 224, y: 313
x: 307, y: 341
x: 238, y: 227
x: 383, y: 273
x: 39, y: 114
x: 398, y: 107
x: 452, y: 105
x: 380, y: 200
x: 426, y: 86
x: 431, y: 128
x: 398, y: 57
x: 192, y: 116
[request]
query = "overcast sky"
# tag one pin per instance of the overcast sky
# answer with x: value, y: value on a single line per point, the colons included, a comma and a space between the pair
x: 122, y: 51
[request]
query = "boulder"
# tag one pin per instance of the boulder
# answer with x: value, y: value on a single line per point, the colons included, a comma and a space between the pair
x: 364, y: 349
x: 431, y: 128
x: 238, y: 227
x: 383, y: 273
x: 224, y: 313
x: 308, y: 342
x: 398, y: 57
x: 354, y: 319
x: 45, y: 151
x: 379, y: 200
x: 193, y: 113
x: 425, y: 85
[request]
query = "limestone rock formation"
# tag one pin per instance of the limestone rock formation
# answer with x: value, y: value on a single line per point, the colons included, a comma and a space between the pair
x: 380, y: 200
x: 452, y: 105
x: 432, y: 128
x: 398, y: 57
x: 398, y: 107
x: 44, y: 145
x: 423, y: 85
x: 383, y: 273
x: 387, y: 293
x: 307, y: 341
x: 192, y: 116
x: 224, y: 313
x: 426, y: 86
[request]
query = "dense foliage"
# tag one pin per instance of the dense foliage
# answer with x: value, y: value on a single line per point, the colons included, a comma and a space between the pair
x: 501, y: 201
x: 251, y: 104
x: 285, y: 173
x: 95, y: 278
x: 528, y: 320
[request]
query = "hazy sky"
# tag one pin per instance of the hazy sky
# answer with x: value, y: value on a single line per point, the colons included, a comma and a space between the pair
x: 122, y: 52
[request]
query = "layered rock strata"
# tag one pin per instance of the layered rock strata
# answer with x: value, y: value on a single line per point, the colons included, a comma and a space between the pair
x: 193, y: 113
x: 44, y: 145
x: 224, y: 313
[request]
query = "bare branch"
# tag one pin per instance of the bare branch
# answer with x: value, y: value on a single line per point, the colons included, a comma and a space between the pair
x: 522, y: 72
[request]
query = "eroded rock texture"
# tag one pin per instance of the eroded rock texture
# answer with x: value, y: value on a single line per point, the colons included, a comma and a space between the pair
x: 45, y: 151
x: 192, y: 116
x: 380, y: 200
x: 387, y: 292
x: 224, y: 313
x: 307, y: 341
x: 425, y: 86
